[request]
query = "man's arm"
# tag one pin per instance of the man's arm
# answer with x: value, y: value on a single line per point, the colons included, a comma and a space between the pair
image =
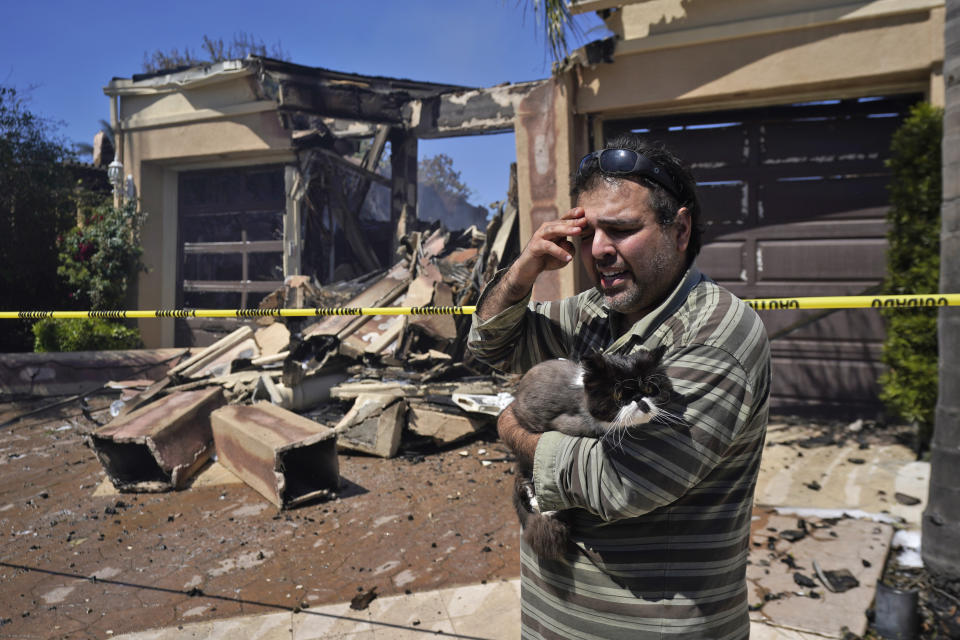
x: 547, y: 250
x: 523, y: 443
x: 717, y: 417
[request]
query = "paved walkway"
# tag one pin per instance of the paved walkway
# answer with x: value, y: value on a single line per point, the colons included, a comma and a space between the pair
x: 476, y: 612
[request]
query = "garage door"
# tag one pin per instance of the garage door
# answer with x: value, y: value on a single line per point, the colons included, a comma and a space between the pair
x: 230, y: 224
x: 794, y: 201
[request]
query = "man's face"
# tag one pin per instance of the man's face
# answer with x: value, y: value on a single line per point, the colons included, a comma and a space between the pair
x: 634, y: 262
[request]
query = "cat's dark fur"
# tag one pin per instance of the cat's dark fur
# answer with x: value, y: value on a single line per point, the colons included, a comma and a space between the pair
x: 601, y: 397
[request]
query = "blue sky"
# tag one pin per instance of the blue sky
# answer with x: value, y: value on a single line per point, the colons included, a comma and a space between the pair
x: 62, y: 53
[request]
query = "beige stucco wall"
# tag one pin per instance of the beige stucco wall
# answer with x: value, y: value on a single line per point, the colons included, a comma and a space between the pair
x: 675, y: 56
x: 165, y: 131
x: 546, y: 145
x: 706, y: 66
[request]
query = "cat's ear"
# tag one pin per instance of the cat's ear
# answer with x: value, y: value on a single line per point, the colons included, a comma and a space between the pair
x: 657, y: 354
x: 593, y: 363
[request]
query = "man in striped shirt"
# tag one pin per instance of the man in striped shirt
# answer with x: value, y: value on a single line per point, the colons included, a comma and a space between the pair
x: 662, y: 519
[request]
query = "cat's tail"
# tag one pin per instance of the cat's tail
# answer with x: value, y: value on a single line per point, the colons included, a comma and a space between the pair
x: 547, y: 535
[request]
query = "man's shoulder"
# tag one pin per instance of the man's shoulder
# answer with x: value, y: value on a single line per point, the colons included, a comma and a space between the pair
x: 713, y: 315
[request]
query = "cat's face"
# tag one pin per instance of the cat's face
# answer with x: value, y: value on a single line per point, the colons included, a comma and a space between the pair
x: 625, y: 391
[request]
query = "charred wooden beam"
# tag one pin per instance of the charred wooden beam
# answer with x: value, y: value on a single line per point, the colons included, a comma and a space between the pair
x: 349, y: 221
x: 370, y: 163
x: 313, y: 90
x: 361, y: 172
x: 403, y: 191
x: 468, y: 112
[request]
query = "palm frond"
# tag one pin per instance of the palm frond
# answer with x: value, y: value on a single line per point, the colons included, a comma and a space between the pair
x: 557, y: 22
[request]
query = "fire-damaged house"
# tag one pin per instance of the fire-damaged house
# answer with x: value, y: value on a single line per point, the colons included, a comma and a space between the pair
x: 257, y: 170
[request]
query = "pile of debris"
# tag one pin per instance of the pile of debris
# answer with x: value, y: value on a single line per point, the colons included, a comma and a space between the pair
x: 275, y: 401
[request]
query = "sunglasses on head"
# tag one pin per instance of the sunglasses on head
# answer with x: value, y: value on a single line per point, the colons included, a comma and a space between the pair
x: 622, y: 162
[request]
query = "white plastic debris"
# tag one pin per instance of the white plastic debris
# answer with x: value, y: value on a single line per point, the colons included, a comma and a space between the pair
x: 478, y: 403
x: 116, y: 407
x: 908, y: 543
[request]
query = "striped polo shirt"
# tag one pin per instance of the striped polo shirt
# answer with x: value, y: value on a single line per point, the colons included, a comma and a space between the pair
x: 661, y: 520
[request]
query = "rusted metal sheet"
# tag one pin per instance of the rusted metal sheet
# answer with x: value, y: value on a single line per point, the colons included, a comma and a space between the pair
x: 289, y: 459
x: 160, y: 446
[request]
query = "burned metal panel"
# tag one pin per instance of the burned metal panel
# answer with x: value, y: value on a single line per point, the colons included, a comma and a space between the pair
x: 160, y: 446
x: 287, y: 458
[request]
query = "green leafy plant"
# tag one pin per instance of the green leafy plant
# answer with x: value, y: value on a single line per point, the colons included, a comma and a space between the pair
x: 83, y: 334
x: 909, y: 387
x: 99, y: 261
x: 99, y: 258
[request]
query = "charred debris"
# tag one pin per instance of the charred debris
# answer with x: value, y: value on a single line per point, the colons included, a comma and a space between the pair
x: 278, y: 397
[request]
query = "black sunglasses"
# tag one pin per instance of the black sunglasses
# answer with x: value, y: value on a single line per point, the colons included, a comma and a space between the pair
x: 621, y: 162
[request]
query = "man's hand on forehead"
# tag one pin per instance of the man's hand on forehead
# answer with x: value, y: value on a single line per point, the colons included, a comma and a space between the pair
x: 550, y: 247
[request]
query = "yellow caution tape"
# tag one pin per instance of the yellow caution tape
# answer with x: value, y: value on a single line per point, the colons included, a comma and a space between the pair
x: 760, y: 304
x: 243, y: 313
x: 858, y: 302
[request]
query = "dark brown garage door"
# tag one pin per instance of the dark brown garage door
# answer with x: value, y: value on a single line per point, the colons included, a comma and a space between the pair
x: 231, y: 241
x: 794, y: 199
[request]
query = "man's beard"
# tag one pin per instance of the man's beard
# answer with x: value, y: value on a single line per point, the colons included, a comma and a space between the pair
x: 634, y: 295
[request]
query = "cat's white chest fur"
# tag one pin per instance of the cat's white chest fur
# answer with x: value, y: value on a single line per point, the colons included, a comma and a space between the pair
x: 578, y: 378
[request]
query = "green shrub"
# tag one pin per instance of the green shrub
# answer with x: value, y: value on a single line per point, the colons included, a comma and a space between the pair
x: 35, y: 205
x: 99, y: 261
x: 909, y: 388
x: 100, y: 258
x: 83, y: 334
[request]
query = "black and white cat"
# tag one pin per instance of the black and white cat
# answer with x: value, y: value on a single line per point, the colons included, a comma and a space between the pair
x: 601, y: 397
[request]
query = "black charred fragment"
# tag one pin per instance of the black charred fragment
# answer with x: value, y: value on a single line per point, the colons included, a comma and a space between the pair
x: 804, y: 581
x: 841, y: 580
x: 343, y: 100
x: 333, y: 94
x: 483, y: 110
x: 793, y: 535
x: 363, y: 599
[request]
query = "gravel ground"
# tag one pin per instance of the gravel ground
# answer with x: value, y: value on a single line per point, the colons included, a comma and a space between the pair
x: 76, y: 563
